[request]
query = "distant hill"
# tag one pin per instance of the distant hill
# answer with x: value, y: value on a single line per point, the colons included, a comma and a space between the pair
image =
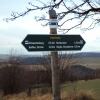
x: 87, y: 54
x: 81, y: 72
x: 4, y: 56
x: 26, y: 59
x: 37, y: 60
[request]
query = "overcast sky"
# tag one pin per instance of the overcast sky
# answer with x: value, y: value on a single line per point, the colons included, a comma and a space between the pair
x: 13, y: 32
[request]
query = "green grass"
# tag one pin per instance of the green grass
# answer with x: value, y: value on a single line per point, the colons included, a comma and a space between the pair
x: 68, y: 89
x: 89, y: 62
x: 91, y: 85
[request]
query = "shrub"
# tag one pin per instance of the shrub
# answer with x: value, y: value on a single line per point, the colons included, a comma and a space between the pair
x: 81, y: 95
x: 85, y: 96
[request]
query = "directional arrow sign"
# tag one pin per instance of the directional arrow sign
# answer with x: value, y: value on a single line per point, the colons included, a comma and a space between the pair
x: 53, y: 42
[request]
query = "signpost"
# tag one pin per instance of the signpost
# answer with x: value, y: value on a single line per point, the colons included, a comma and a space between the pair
x: 53, y: 42
x: 55, y: 68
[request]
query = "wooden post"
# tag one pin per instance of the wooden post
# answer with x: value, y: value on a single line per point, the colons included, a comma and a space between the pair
x: 54, y: 63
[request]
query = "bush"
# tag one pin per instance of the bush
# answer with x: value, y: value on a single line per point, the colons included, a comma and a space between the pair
x: 85, y: 96
x: 81, y: 95
x: 10, y: 77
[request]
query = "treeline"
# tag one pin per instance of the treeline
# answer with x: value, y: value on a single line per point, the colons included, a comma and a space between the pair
x: 14, y: 78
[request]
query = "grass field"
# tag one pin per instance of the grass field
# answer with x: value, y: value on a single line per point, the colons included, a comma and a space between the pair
x: 89, y: 62
x: 90, y: 86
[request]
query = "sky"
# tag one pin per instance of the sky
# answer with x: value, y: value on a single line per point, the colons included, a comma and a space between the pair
x: 12, y: 33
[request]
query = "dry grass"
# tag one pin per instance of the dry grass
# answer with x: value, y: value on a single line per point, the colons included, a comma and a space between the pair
x: 80, y: 95
x: 85, y: 91
x: 23, y: 96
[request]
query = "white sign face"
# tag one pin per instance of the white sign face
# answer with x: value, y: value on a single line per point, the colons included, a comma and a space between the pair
x: 53, y: 23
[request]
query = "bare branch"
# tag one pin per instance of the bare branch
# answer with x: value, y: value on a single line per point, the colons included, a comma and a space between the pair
x: 17, y: 15
x: 68, y: 21
x: 77, y: 10
x: 66, y: 30
x: 63, y: 14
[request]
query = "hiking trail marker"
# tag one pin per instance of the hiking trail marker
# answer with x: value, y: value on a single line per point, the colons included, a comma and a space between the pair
x: 53, y: 42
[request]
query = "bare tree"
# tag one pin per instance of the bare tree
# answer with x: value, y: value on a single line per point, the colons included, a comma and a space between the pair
x: 8, y: 78
x: 45, y: 61
x: 65, y: 61
x: 74, y: 11
x: 10, y: 75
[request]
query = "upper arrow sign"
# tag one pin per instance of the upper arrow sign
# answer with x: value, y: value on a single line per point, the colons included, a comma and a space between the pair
x: 53, y: 42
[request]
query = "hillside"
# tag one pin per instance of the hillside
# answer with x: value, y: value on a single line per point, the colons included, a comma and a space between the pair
x: 84, y: 58
x: 37, y: 60
x: 79, y: 72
